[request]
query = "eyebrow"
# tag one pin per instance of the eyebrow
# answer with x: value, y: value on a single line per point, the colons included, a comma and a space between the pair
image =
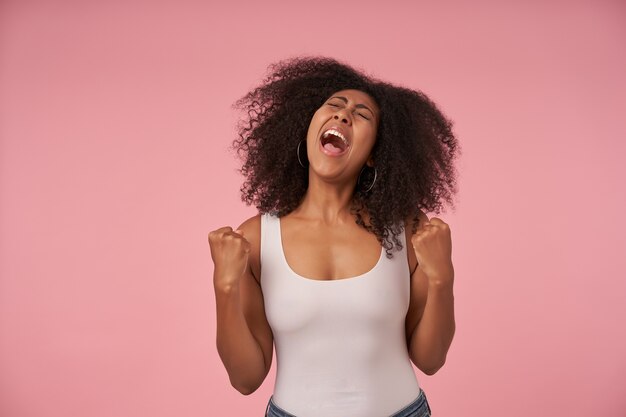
x: 363, y: 106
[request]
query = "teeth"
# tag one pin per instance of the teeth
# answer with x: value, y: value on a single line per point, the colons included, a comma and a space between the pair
x: 336, y: 133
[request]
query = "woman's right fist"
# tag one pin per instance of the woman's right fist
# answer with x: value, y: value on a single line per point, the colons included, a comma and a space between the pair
x: 230, y: 251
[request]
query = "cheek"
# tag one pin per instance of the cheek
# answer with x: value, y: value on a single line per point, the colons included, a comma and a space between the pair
x: 366, y: 144
x: 312, y: 132
x: 369, y: 137
x: 315, y: 125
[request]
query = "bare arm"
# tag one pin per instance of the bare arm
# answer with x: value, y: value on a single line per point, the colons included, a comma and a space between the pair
x: 244, y: 338
x: 430, y: 323
x: 431, y: 339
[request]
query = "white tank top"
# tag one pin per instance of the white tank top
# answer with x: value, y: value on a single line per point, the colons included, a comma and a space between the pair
x: 340, y: 344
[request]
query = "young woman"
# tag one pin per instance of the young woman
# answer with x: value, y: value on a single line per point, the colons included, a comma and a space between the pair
x: 341, y: 270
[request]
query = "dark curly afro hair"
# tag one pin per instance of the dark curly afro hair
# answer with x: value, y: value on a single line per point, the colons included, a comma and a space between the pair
x: 413, y: 153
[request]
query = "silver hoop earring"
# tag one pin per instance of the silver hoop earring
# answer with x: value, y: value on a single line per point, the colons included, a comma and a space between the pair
x: 298, y: 151
x: 372, y: 184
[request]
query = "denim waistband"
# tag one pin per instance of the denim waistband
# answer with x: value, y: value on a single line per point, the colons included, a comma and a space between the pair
x: 417, y: 408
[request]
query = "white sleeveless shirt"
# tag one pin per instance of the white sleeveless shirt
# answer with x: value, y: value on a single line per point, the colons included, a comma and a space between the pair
x: 340, y: 344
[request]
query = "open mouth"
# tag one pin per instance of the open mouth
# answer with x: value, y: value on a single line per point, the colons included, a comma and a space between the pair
x: 333, y: 142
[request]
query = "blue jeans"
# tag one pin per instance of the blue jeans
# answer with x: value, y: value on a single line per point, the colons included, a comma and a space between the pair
x: 418, y: 408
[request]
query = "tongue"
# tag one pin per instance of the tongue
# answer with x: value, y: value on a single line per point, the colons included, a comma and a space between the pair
x: 332, y: 148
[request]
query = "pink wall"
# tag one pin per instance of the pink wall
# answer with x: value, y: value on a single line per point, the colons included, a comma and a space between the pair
x: 114, y: 123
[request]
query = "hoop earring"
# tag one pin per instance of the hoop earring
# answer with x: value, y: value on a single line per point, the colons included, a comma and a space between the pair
x: 298, y: 151
x: 372, y: 184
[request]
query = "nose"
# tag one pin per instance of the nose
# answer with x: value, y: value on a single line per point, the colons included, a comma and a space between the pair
x: 341, y: 115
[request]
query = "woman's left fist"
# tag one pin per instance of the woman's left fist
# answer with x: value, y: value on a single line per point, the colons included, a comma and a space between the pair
x: 432, y: 243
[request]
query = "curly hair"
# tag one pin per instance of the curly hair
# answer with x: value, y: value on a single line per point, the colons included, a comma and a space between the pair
x: 413, y: 153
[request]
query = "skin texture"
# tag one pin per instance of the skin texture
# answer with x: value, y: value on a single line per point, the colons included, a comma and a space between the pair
x: 323, y: 226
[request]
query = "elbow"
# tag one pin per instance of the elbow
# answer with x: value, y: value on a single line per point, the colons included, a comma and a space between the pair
x: 432, y: 368
x: 248, y: 384
x: 245, y: 389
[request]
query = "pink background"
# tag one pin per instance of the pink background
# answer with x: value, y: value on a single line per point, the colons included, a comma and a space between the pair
x: 114, y: 125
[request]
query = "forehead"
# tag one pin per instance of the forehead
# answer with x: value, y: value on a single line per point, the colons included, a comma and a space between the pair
x: 357, y: 96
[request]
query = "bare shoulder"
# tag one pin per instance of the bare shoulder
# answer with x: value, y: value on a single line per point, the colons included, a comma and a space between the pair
x: 251, y: 229
x: 408, y: 230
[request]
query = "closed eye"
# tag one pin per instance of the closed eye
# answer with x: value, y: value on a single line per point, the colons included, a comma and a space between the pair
x: 360, y: 114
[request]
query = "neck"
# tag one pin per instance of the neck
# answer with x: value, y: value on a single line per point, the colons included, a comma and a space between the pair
x: 328, y: 202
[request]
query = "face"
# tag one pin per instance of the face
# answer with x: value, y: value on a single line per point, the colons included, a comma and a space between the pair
x: 342, y: 134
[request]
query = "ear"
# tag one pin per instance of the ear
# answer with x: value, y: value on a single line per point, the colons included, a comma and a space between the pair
x: 370, y: 161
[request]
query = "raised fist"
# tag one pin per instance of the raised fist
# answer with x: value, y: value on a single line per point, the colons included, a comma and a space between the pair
x: 230, y: 251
